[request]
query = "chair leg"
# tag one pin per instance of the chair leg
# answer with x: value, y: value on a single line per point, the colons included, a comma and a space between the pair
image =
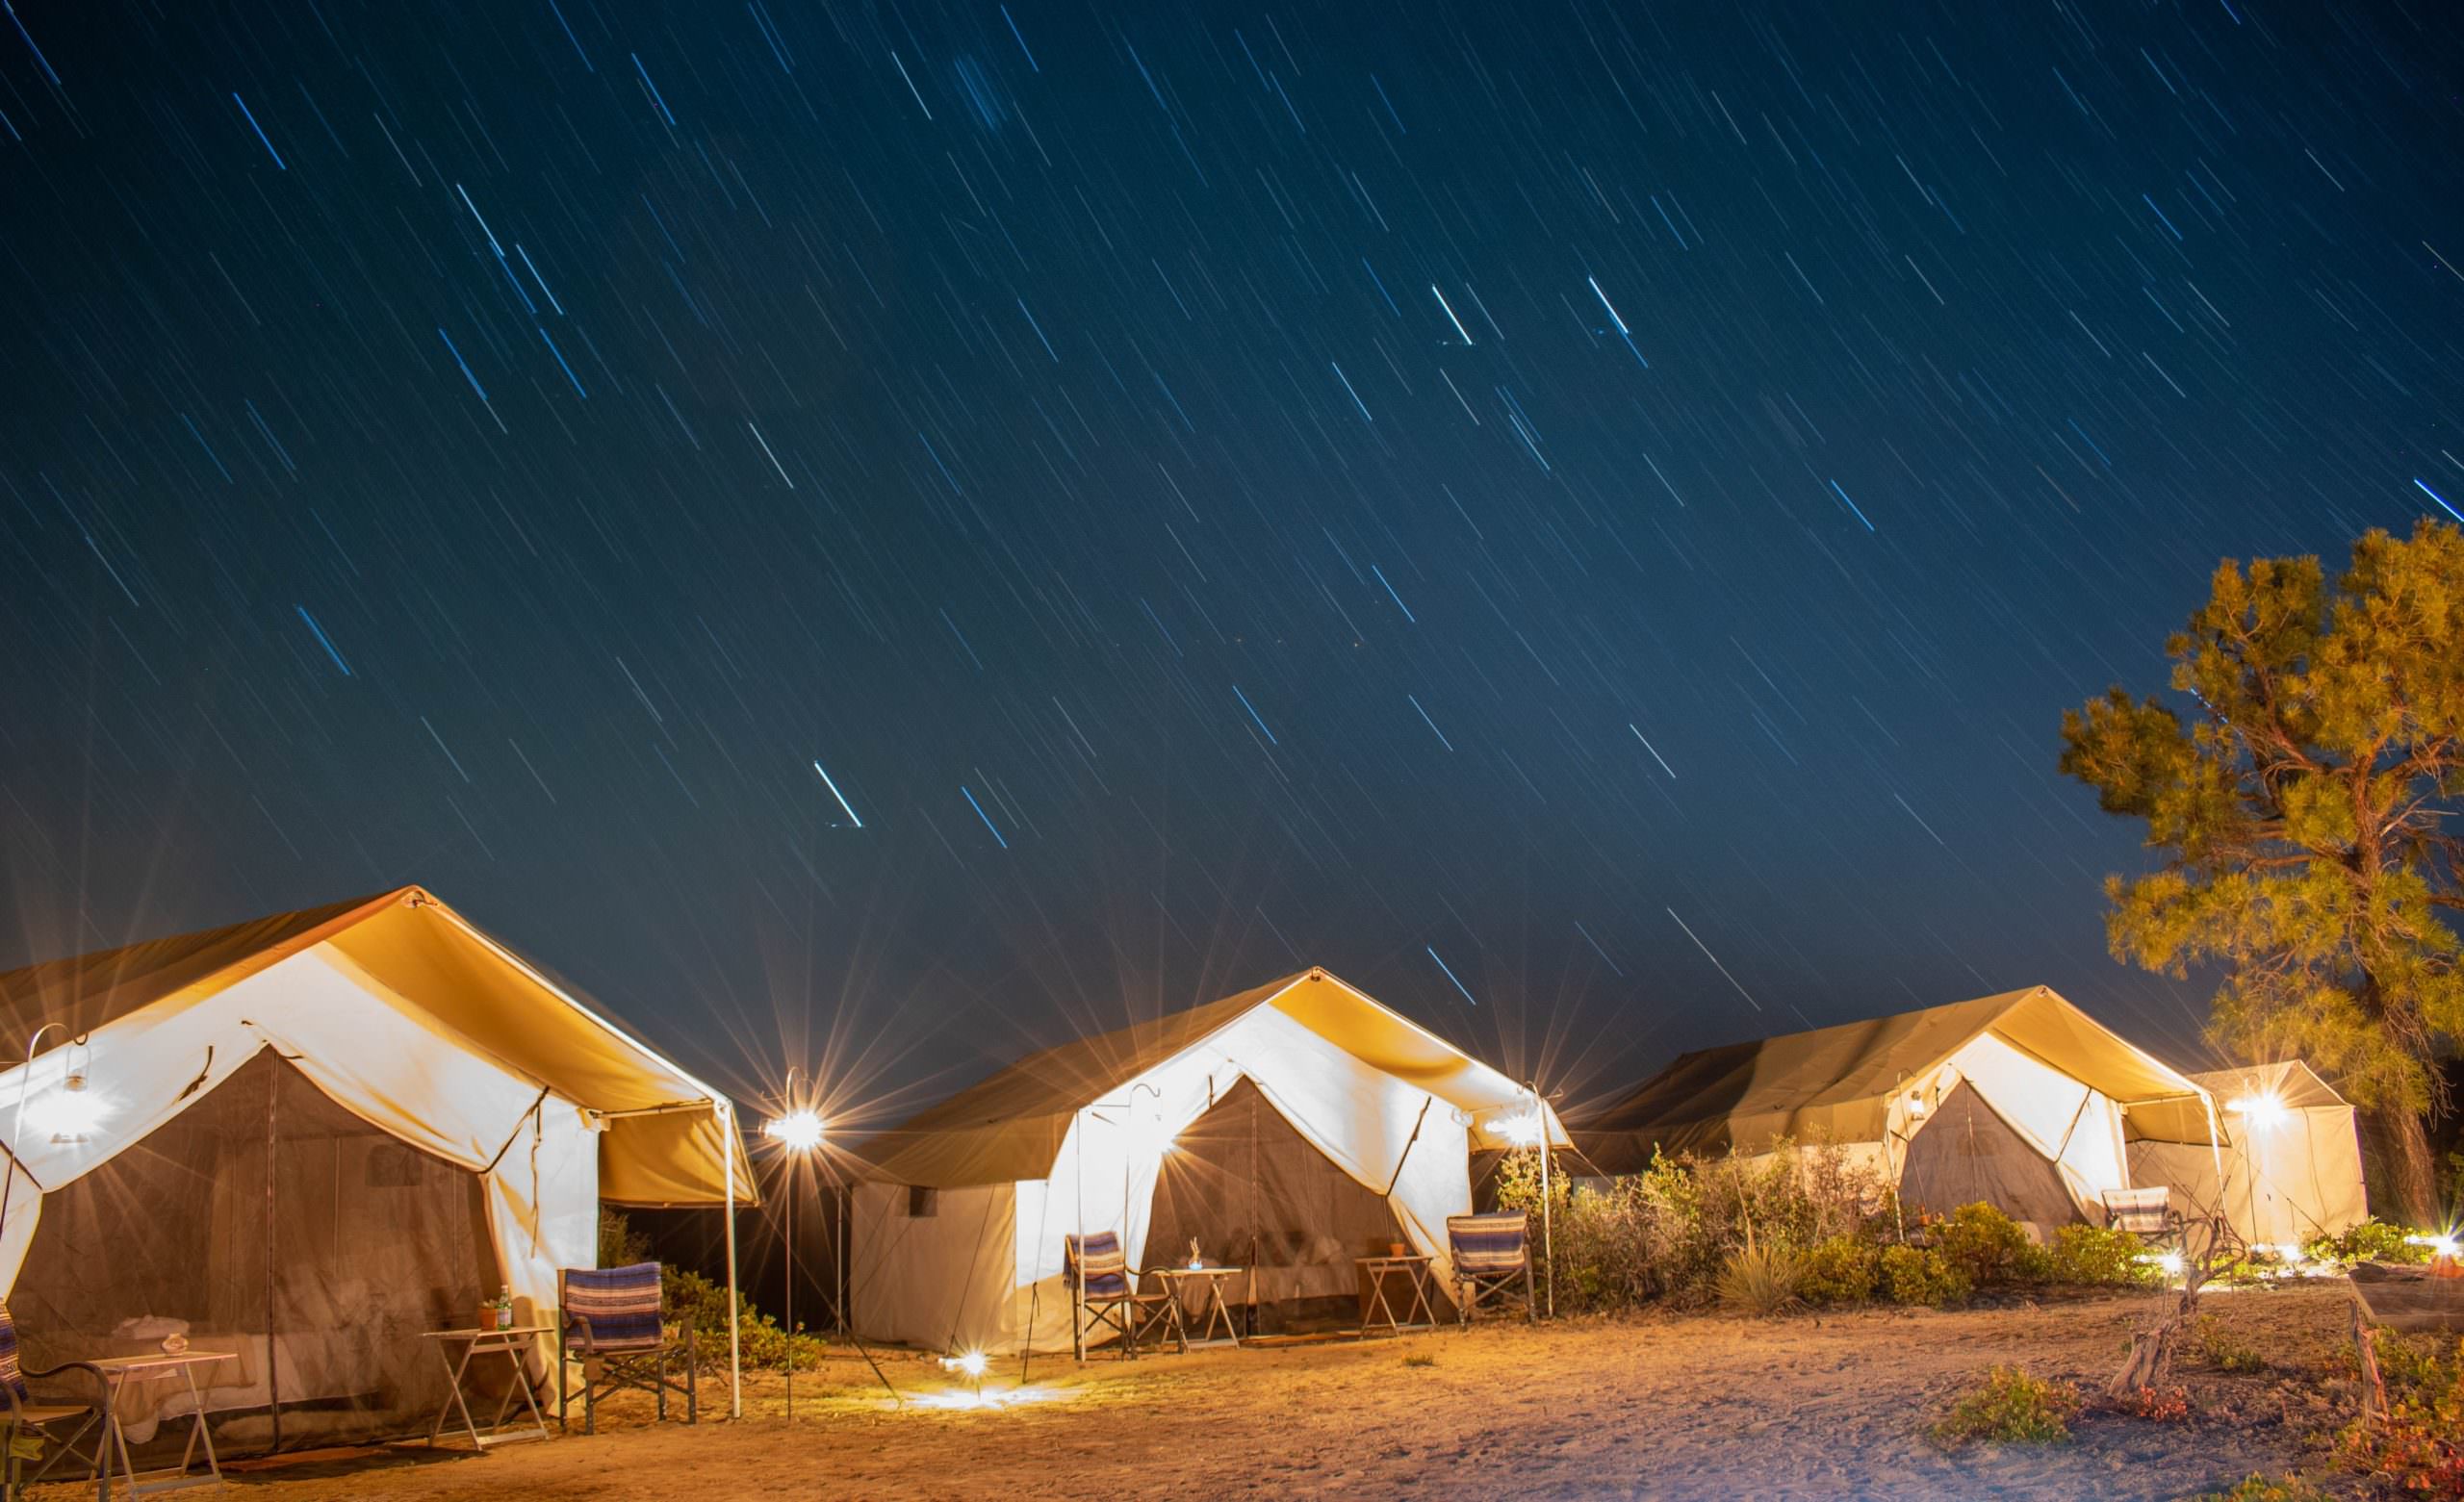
x: 589, y: 1400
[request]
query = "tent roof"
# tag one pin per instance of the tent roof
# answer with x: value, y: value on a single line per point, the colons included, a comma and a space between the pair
x: 2290, y: 1080
x: 1010, y: 1126
x: 429, y: 961
x: 1835, y: 1082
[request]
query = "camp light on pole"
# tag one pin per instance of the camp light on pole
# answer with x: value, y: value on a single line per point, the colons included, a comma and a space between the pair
x: 2263, y: 1109
x: 73, y: 1113
x: 798, y: 1131
x: 1522, y: 1129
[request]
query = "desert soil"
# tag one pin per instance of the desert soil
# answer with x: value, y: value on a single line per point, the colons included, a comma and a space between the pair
x: 1702, y: 1406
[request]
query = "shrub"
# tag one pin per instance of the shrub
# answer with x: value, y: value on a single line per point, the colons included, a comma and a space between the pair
x: 1985, y: 1245
x: 2224, y: 1349
x: 2373, y: 1240
x: 2012, y: 1407
x: 2418, y: 1445
x: 620, y: 1245
x: 1841, y: 1270
x: 1420, y: 1358
x: 1762, y: 1279
x: 2093, y: 1255
x: 2256, y: 1488
x: 1667, y: 1232
x: 1921, y: 1275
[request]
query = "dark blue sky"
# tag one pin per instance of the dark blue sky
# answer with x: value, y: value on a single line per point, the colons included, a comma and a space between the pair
x: 1581, y: 520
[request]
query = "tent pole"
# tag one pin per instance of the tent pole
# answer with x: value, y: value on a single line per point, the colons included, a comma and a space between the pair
x: 273, y: 1378
x: 1548, y: 1239
x: 736, y: 1338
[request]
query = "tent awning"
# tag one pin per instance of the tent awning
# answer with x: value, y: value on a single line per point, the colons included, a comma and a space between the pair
x: 1009, y: 1127
x: 663, y: 1142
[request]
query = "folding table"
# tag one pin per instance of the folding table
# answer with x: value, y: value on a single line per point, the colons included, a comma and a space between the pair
x: 513, y: 1344
x: 1415, y: 1268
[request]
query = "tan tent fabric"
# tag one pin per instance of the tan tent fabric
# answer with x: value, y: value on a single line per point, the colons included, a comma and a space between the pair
x: 391, y: 1014
x: 959, y: 1228
x: 435, y: 966
x: 1010, y: 1126
x: 2287, y: 1176
x: 1838, y: 1084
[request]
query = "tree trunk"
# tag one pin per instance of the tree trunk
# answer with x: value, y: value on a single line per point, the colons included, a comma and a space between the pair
x: 2403, y: 1184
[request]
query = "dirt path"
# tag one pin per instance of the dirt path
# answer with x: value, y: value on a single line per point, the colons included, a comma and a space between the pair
x: 1698, y: 1407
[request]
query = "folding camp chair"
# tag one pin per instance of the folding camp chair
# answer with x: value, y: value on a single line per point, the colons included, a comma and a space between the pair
x: 2148, y: 1213
x: 609, y: 1317
x: 1492, y: 1253
x: 1101, y: 1284
x: 48, y: 1420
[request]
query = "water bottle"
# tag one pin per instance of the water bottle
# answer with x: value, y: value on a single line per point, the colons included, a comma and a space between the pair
x: 505, y: 1306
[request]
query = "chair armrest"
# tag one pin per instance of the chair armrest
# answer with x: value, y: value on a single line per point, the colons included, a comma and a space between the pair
x: 576, y: 1321
x: 102, y: 1383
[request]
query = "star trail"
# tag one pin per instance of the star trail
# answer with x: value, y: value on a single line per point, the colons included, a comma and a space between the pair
x: 1030, y: 419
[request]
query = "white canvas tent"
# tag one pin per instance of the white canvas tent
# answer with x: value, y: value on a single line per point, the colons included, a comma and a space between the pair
x: 2292, y: 1170
x: 1289, y: 1129
x: 2021, y: 1100
x: 307, y: 1137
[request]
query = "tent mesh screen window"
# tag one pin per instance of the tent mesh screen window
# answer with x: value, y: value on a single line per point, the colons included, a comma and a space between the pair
x: 267, y: 1221
x: 1965, y: 1151
x: 1253, y: 1192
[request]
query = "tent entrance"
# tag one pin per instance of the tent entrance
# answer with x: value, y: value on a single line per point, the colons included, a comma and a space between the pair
x: 1965, y: 1151
x: 1252, y: 1191
x: 268, y: 1221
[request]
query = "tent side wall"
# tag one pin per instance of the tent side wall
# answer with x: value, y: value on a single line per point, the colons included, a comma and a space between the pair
x: 935, y: 1269
x: 2285, y: 1181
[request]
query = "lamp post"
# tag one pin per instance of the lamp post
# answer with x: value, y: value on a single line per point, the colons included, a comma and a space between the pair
x: 799, y: 1132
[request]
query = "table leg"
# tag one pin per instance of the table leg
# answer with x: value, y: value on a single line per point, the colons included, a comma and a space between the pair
x: 199, y: 1434
x: 455, y: 1400
x: 1376, y: 1302
x: 118, y: 1438
x: 1420, y: 1297
x: 522, y: 1379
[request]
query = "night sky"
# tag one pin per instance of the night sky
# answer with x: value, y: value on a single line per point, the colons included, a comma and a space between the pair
x: 874, y: 537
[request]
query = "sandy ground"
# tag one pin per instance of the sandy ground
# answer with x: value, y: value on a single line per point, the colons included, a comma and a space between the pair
x: 1693, y: 1406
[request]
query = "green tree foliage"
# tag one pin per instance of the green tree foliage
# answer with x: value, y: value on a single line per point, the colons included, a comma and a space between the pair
x: 2308, y: 802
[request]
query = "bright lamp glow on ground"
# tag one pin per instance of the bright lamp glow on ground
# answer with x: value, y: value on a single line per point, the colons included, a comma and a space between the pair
x: 972, y: 1364
x: 800, y: 1130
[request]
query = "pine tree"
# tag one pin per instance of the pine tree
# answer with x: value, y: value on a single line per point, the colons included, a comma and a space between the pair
x: 2308, y: 803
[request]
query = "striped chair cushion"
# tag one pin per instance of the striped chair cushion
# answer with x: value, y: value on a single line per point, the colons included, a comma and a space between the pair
x: 1484, y: 1244
x: 621, y: 1304
x: 1102, y: 1266
x: 10, y: 1373
x: 2138, y: 1211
